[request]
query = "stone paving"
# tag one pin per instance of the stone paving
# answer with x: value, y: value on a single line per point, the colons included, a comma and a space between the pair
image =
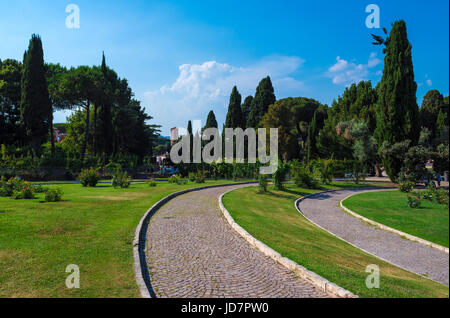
x: 324, y: 210
x: 193, y: 252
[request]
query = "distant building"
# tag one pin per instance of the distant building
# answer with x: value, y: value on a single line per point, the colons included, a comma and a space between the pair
x: 173, y: 135
x: 59, y: 134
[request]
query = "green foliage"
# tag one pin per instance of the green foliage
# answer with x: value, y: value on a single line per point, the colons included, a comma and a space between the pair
x: 121, y: 180
x: 264, y: 97
x: 235, y: 118
x: 246, y: 107
x: 279, y: 177
x: 325, y: 169
x: 301, y: 176
x: 211, y: 121
x: 53, y: 195
x: 397, y: 110
x: 432, y: 107
x: 151, y: 183
x: 262, y: 183
x: 199, y: 177
x: 35, y: 107
x: 413, y: 201
x: 359, y: 171
x: 89, y: 177
x: 357, y: 103
x: 177, y: 180
x: 407, y: 186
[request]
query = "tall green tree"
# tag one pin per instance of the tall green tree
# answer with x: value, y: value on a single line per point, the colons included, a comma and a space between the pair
x: 11, y: 129
x: 35, y: 106
x: 107, y: 100
x: 211, y: 121
x: 264, y: 97
x: 235, y: 118
x: 397, y: 111
x: 432, y: 105
x: 246, y: 107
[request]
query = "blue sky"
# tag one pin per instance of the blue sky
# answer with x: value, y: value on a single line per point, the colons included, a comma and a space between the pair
x: 182, y: 58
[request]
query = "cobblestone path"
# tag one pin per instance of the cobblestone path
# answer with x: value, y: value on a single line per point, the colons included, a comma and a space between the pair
x: 193, y: 252
x: 324, y: 210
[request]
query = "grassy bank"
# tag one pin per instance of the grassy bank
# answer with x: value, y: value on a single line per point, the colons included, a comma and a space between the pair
x: 429, y: 221
x: 273, y: 219
x: 93, y: 228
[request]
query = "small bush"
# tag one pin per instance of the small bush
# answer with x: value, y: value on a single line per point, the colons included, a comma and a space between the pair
x: 301, y: 176
x: 262, y: 183
x: 280, y: 175
x: 53, y: 195
x: 177, y: 179
x: 151, y: 183
x: 413, y: 201
x: 191, y: 176
x: 89, y: 177
x: 121, y: 180
x: 407, y: 186
x: 37, y: 188
x: 199, y: 177
x: 25, y: 193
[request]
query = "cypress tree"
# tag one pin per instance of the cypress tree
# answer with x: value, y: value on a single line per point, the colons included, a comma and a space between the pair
x: 264, y: 97
x: 35, y: 106
x: 235, y: 118
x: 246, y: 107
x: 211, y: 121
x: 105, y: 112
x: 396, y: 110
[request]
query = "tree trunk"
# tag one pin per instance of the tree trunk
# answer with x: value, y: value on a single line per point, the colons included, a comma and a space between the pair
x: 378, y: 171
x: 95, y: 139
x: 52, y: 134
x: 86, y: 131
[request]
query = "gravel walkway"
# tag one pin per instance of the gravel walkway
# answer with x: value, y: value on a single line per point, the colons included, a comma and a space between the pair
x: 193, y: 252
x: 324, y: 210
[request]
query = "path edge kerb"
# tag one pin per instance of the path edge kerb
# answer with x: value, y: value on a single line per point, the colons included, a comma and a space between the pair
x: 140, y: 237
x: 301, y: 271
x: 389, y: 229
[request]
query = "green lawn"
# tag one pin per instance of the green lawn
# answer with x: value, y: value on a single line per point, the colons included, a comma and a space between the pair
x: 273, y: 219
x: 429, y: 221
x: 93, y: 228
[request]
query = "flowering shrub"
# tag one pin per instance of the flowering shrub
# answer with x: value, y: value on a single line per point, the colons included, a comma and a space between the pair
x: 413, y: 201
x: 407, y: 186
x: 26, y: 192
x: 89, y: 177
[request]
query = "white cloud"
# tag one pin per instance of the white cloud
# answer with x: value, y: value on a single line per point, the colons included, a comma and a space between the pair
x: 346, y: 73
x: 202, y: 87
x: 429, y: 82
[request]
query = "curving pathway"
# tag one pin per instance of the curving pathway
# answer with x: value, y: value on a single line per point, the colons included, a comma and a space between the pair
x: 324, y: 210
x: 193, y: 252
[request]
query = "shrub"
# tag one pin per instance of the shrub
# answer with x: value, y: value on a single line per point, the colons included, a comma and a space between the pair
x: 301, y: 176
x: 89, y: 177
x: 442, y: 197
x: 53, y: 195
x: 25, y: 193
x: 151, y: 183
x: 413, y: 201
x: 359, y: 172
x: 121, y: 180
x: 177, y: 179
x: 280, y: 175
x: 191, y: 176
x: 262, y: 182
x: 37, y: 188
x: 407, y: 186
x: 199, y: 177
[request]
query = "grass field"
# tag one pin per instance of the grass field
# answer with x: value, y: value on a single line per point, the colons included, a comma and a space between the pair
x: 93, y: 228
x: 273, y: 219
x: 430, y: 221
